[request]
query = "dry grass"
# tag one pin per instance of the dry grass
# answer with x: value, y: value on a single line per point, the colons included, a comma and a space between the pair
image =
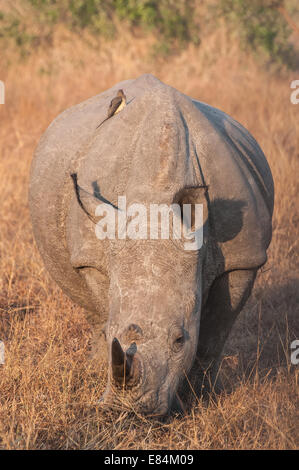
x: 48, y: 387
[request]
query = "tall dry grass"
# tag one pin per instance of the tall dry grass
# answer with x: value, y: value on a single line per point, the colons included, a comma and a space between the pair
x: 48, y: 387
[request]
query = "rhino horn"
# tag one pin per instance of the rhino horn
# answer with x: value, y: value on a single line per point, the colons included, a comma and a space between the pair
x: 125, y: 368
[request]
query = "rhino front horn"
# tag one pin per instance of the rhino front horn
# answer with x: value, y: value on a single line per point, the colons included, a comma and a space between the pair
x: 124, y: 365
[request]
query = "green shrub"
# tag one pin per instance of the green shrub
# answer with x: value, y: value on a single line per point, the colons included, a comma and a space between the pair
x: 258, y: 23
x: 174, y: 21
x: 12, y: 28
x: 260, y: 26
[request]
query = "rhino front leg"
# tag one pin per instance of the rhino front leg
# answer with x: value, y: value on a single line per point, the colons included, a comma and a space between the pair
x: 226, y: 299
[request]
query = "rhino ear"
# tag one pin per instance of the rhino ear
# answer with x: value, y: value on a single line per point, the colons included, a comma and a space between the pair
x: 86, y: 200
x: 194, y: 195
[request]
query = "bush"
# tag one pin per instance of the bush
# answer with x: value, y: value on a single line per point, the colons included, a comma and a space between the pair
x: 259, y: 23
x: 260, y: 26
x: 172, y: 20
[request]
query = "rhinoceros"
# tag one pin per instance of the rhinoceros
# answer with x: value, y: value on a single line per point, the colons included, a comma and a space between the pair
x: 160, y: 313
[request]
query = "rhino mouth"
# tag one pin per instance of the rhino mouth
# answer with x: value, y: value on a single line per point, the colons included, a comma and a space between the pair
x: 148, y: 404
x: 151, y: 406
x: 129, y: 389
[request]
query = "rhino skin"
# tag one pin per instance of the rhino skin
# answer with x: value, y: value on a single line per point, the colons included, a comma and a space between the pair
x: 161, y: 314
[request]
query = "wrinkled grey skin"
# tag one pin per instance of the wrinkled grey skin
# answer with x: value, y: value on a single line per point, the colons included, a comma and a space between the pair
x: 177, y: 306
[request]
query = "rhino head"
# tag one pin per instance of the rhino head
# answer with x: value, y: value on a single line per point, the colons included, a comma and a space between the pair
x: 155, y: 296
x: 152, y: 336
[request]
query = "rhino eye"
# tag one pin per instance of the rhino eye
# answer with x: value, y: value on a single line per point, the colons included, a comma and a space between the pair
x: 178, y: 342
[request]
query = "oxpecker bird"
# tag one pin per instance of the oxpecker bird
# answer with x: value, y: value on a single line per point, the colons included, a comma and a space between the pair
x: 116, y: 105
